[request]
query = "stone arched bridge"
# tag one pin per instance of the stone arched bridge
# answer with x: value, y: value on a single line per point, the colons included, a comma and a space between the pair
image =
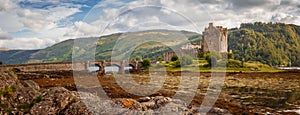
x: 75, y: 66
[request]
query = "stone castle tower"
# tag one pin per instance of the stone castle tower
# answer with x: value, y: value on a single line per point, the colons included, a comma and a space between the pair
x: 215, y: 39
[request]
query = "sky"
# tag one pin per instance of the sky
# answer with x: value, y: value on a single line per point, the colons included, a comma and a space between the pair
x: 37, y: 24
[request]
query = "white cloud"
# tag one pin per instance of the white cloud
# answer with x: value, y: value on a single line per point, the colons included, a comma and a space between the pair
x: 39, y: 19
x: 4, y: 35
x: 87, y: 29
x: 26, y: 43
x: 7, y: 5
x: 35, y: 21
x: 286, y: 18
x: 192, y: 15
x: 106, y: 3
x: 43, y: 22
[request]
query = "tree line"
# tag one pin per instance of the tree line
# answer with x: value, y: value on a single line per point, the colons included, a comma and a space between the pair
x: 270, y: 43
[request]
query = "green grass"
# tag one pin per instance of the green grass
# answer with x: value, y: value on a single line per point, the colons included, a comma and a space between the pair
x: 198, y: 66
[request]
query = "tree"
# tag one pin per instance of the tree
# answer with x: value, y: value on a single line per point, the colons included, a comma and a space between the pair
x: 268, y: 43
x: 174, y: 58
x: 230, y: 56
x: 176, y: 63
x: 138, y: 58
x: 1, y: 63
x: 160, y: 58
x: 243, y: 61
x: 146, y: 63
x: 203, y: 55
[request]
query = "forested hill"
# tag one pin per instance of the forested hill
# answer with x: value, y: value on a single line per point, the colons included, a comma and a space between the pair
x: 269, y: 43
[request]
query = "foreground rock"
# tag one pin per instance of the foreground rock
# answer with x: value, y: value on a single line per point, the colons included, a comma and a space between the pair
x: 27, y: 97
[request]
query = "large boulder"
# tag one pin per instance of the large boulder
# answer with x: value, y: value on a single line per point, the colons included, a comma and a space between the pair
x: 14, y: 96
x: 54, y: 100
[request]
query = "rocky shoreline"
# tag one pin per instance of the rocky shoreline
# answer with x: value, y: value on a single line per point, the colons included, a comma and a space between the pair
x: 26, y: 97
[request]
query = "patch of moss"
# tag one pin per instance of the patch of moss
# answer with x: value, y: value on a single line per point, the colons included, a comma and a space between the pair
x: 27, y: 107
x: 8, y: 91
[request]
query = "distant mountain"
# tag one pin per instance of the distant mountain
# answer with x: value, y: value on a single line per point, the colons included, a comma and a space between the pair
x: 62, y: 52
x: 269, y: 43
x: 16, y: 56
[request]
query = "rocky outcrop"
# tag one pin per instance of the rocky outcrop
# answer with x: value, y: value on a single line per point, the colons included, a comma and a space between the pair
x: 145, y: 105
x: 26, y: 97
x: 54, y: 100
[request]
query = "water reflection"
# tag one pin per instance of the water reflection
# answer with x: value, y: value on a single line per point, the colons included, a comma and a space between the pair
x: 108, y: 68
x: 278, y: 100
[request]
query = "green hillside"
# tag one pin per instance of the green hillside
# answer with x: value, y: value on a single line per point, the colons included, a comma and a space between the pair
x: 16, y: 56
x: 269, y: 43
x: 84, y: 47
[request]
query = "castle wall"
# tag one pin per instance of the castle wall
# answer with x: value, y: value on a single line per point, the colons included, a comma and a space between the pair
x: 215, y: 39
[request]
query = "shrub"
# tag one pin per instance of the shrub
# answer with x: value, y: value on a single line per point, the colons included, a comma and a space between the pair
x: 201, y: 55
x: 230, y: 56
x: 146, y: 63
x: 8, y: 91
x: 1, y: 63
x: 233, y: 64
x: 174, y: 58
x: 185, y: 60
x: 176, y: 63
x: 243, y: 61
x: 160, y: 58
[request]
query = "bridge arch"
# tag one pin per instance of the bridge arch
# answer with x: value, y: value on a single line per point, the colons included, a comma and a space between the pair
x: 112, y: 68
x: 94, y: 67
x: 130, y: 67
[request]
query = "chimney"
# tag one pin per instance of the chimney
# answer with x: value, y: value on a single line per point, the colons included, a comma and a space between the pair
x: 211, y: 24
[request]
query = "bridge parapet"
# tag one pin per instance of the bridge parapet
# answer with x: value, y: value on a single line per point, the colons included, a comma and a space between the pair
x: 66, y: 66
x: 69, y: 66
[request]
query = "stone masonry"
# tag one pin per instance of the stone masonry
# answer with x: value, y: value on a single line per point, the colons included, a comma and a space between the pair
x: 215, y: 39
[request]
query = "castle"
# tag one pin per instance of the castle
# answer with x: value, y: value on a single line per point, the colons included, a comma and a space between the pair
x: 213, y: 39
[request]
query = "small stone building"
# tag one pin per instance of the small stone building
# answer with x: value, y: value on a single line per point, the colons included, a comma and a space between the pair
x: 193, y: 52
x: 168, y: 56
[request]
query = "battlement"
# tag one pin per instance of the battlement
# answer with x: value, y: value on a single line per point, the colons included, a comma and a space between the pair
x: 220, y: 28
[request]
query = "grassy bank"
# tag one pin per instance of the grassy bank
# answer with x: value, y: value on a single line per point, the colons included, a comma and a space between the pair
x: 230, y: 66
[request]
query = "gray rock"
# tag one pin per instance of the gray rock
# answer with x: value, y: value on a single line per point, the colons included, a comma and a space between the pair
x: 54, y: 100
x: 149, y: 105
x: 144, y: 99
x: 32, y: 84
